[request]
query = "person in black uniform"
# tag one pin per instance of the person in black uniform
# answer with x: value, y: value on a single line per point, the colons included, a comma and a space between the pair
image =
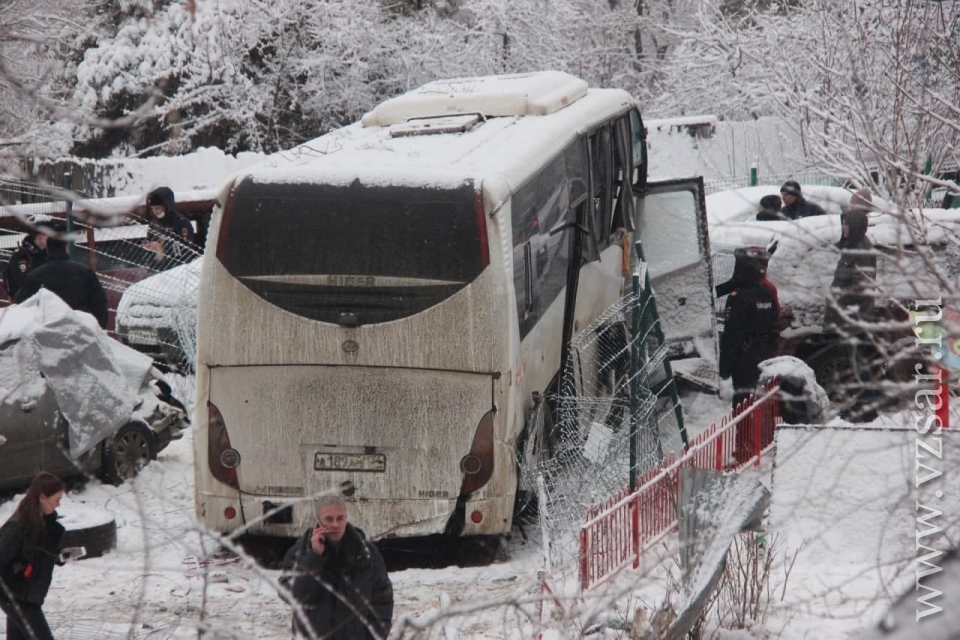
x: 75, y: 283
x: 170, y: 238
x: 31, y: 253
x: 751, y: 315
x: 29, y: 550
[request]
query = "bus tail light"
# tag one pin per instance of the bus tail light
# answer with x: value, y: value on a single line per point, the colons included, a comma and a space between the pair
x: 219, y: 449
x: 477, y: 466
x: 482, y: 228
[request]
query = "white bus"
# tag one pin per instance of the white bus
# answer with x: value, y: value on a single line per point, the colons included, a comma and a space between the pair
x: 380, y: 306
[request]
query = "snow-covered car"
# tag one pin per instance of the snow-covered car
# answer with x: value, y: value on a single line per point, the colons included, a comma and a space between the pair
x: 158, y: 315
x: 73, y: 401
x: 917, y: 251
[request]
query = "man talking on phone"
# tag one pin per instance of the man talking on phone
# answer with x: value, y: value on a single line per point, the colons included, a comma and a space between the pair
x: 338, y: 578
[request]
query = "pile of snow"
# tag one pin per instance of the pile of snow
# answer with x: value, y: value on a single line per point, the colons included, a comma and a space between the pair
x: 848, y: 500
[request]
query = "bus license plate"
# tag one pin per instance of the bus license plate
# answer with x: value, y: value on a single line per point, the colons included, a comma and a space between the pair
x: 350, y: 462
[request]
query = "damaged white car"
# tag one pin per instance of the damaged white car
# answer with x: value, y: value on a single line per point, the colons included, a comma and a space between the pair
x: 74, y: 401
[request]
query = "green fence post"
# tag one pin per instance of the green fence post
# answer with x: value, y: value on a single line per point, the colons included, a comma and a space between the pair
x: 754, y: 179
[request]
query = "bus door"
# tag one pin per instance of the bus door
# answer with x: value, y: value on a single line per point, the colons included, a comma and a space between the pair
x: 672, y: 227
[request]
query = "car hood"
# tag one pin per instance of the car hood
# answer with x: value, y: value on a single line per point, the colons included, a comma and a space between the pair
x: 95, y: 380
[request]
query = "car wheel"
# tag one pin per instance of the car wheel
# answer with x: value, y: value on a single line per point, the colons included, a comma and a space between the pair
x: 128, y: 451
x: 833, y: 374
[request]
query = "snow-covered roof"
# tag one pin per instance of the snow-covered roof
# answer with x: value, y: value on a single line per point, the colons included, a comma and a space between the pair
x: 681, y: 121
x: 500, y: 150
x: 521, y: 94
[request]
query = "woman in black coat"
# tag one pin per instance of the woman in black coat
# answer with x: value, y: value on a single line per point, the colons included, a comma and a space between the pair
x: 29, y: 549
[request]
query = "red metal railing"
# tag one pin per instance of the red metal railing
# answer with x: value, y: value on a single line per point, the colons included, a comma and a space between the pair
x: 617, y: 532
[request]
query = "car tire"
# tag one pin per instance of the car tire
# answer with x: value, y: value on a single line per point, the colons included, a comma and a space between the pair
x: 98, y: 532
x: 128, y: 451
x: 832, y: 374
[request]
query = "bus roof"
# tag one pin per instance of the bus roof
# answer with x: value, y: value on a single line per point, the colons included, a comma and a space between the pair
x: 502, y: 151
x: 520, y: 94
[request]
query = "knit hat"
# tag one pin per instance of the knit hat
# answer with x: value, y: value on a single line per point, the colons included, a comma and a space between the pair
x: 791, y: 186
x: 771, y: 203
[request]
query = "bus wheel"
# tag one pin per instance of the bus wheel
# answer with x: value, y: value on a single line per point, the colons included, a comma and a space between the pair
x: 478, y: 551
x: 534, y: 447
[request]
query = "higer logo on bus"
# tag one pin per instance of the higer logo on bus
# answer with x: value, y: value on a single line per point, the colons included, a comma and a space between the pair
x: 352, y: 281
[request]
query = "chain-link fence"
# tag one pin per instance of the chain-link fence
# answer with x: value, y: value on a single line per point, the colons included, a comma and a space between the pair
x: 150, y: 276
x: 578, y: 447
x: 808, y: 177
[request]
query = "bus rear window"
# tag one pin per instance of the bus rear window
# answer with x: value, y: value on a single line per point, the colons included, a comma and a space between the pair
x: 352, y: 254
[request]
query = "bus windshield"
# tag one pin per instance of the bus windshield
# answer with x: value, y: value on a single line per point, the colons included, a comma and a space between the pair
x: 351, y: 254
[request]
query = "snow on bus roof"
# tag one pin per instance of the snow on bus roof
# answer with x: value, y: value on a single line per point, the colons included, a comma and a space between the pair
x: 521, y: 94
x: 501, y: 151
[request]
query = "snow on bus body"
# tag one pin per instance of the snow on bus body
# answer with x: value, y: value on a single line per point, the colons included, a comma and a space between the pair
x: 59, y: 370
x: 393, y: 365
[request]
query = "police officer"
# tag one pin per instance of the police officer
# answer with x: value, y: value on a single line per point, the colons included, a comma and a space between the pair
x: 751, y: 317
x: 31, y: 253
x: 75, y: 283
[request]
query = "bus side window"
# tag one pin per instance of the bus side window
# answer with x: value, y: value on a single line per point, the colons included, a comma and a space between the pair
x: 623, y: 205
x: 639, y: 145
x: 601, y: 173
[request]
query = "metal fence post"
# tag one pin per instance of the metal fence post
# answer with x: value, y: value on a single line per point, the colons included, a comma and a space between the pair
x: 754, y: 179
x: 635, y: 382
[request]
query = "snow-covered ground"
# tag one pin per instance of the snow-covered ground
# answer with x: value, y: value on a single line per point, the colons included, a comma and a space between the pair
x: 841, y: 496
x: 153, y: 587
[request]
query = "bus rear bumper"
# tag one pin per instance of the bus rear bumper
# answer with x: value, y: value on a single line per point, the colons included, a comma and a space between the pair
x: 287, y: 517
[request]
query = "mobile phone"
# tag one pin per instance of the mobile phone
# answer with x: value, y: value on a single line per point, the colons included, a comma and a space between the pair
x: 77, y: 552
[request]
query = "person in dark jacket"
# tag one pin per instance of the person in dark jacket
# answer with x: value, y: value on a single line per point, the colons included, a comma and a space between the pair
x: 770, y: 208
x: 854, y: 276
x: 170, y: 238
x: 31, y: 253
x: 29, y: 549
x: 851, y: 305
x: 339, y: 579
x: 750, y: 329
x: 75, y: 283
x: 795, y: 206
